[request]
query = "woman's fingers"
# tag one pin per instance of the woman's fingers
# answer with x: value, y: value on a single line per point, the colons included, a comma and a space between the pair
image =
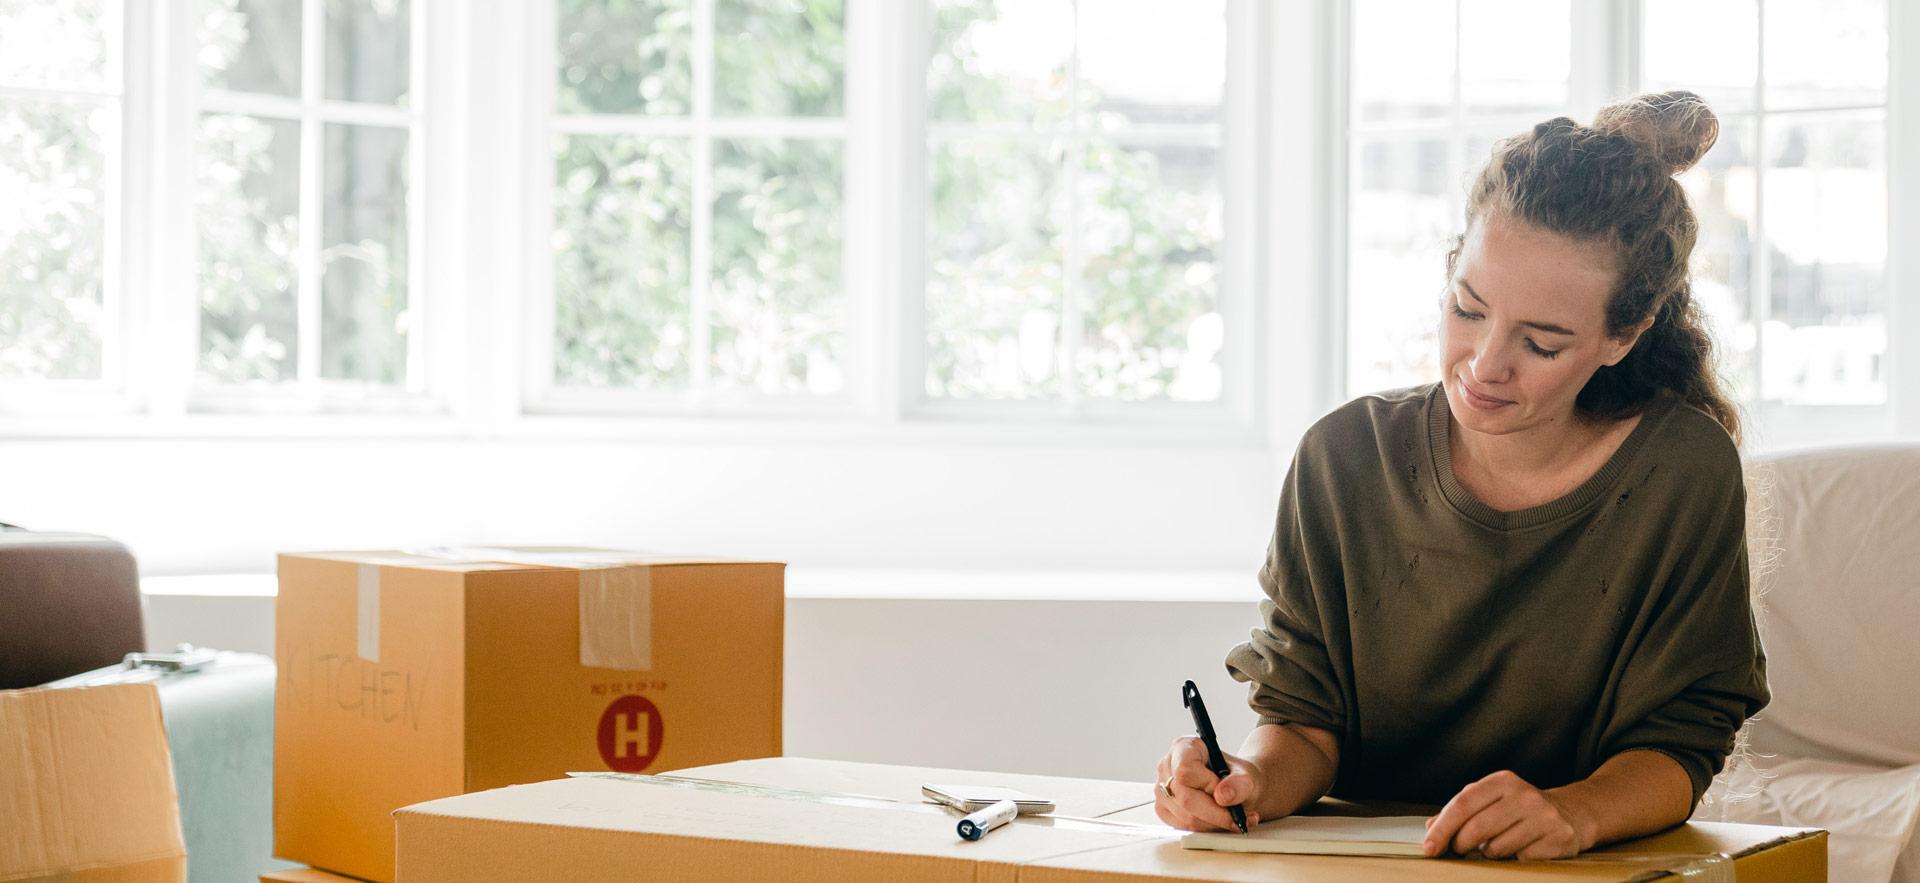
x: 1465, y: 805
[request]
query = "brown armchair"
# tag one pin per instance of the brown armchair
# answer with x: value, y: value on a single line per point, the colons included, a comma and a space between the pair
x: 69, y: 603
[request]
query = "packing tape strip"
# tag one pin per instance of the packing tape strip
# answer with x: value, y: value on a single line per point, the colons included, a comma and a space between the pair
x: 1075, y: 823
x: 367, y: 623
x: 616, y: 598
x: 1694, y: 867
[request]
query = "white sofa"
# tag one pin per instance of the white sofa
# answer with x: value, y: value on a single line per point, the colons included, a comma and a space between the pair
x: 1835, y: 540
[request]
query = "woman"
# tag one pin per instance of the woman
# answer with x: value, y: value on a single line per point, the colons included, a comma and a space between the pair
x: 1521, y: 591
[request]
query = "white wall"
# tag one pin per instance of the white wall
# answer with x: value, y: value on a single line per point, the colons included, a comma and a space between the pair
x: 1072, y: 688
x: 228, y: 505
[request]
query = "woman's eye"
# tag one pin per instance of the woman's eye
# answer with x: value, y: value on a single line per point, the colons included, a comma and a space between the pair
x: 1463, y: 313
x: 1545, y: 354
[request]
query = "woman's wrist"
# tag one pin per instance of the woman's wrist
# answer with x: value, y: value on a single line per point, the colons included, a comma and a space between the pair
x: 1578, y: 811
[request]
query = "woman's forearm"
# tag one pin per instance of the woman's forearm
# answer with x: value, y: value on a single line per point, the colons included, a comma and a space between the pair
x: 1633, y: 794
x: 1296, y: 764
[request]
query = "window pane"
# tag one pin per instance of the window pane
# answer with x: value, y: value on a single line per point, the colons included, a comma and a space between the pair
x: 1721, y: 190
x: 1402, y: 59
x: 1402, y: 211
x: 996, y: 248
x: 778, y: 315
x: 626, y: 56
x: 1826, y: 53
x: 363, y: 304
x: 248, y: 207
x: 52, y: 229
x: 778, y: 57
x: 1515, y: 56
x: 367, y: 50
x: 622, y: 212
x: 1150, y: 231
x: 251, y: 45
x: 1711, y: 47
x: 1825, y: 338
x: 57, y: 42
x: 1152, y: 62
x: 995, y: 62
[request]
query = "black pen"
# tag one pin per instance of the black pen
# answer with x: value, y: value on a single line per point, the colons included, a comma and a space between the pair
x: 1216, y: 762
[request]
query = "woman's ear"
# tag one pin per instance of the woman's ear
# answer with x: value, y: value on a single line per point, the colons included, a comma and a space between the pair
x: 1619, y: 347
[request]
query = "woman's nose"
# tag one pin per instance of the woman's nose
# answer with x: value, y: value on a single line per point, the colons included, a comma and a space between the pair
x: 1490, y: 363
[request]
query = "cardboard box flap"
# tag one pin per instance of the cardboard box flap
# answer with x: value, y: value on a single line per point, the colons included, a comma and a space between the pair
x: 1081, y: 798
x: 744, y: 814
x: 466, y: 559
x: 86, y: 782
x: 1699, y: 851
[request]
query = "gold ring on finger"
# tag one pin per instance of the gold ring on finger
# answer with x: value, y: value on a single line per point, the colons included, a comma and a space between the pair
x: 1166, y: 787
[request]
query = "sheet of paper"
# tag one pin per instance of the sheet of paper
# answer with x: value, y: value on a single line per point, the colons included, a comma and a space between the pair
x: 1322, y: 835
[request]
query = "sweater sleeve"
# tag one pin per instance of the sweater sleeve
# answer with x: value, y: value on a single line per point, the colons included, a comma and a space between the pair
x: 1286, y: 661
x: 1699, y: 671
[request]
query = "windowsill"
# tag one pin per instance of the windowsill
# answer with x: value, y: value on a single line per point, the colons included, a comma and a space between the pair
x: 878, y: 584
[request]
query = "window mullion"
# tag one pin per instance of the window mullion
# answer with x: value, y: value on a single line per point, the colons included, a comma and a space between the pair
x: 904, y: 284
x: 1072, y: 318
x: 1903, y: 216
x: 169, y: 359
x: 1760, y: 288
x: 700, y: 276
x: 312, y: 44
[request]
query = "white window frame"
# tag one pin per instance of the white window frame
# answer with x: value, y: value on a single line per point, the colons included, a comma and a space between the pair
x: 1609, y: 65
x: 886, y: 129
x: 176, y: 389
x: 122, y: 236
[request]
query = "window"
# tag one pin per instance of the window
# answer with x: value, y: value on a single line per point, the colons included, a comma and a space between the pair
x: 60, y: 122
x: 1433, y: 86
x: 306, y: 148
x: 1792, y: 259
x: 698, y: 161
x: 1075, y: 225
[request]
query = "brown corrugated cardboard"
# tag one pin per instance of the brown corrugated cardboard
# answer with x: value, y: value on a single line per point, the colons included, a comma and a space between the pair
x: 407, y: 677
x: 804, y: 820
x: 86, y: 784
x: 305, y: 875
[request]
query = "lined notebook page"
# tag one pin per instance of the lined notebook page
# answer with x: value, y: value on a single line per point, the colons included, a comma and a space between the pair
x: 1322, y: 835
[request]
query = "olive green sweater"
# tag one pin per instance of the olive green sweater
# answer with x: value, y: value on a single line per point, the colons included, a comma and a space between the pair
x: 1442, y: 640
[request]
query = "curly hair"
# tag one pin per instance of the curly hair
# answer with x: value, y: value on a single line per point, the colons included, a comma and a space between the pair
x: 1612, y: 182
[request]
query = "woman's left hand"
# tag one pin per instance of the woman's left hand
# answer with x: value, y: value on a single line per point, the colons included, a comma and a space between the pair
x: 1502, y: 816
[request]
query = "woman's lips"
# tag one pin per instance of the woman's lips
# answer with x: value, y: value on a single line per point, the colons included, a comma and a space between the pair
x: 1484, y: 403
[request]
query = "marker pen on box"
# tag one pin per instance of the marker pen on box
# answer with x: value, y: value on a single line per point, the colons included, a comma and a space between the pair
x: 976, y: 826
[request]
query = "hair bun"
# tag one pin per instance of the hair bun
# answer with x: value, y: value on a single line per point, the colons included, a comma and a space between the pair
x: 1677, y: 127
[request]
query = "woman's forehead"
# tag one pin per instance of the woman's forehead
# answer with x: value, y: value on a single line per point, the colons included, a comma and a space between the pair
x: 1516, y: 266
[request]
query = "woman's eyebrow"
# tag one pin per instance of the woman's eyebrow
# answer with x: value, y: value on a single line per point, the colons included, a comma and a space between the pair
x: 1543, y: 326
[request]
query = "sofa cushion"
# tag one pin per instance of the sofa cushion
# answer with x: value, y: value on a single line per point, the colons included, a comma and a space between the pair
x: 1836, y: 538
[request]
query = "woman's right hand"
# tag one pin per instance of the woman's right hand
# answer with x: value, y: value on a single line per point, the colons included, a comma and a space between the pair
x: 1188, y: 795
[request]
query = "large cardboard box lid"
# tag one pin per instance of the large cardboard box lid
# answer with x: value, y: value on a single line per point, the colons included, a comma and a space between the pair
x: 481, y: 559
x: 797, y: 819
x: 86, y: 786
x: 777, y: 819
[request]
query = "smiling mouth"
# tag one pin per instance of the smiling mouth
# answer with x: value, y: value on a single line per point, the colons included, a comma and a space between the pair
x: 1483, y: 399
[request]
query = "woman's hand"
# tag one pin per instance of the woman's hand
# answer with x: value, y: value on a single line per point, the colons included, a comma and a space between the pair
x: 1188, y: 795
x: 1501, y: 816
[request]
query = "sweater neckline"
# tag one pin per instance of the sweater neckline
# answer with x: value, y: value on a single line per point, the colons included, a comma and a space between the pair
x: 1439, y: 430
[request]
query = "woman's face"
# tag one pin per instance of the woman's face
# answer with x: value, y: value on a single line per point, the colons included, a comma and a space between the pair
x: 1523, y: 326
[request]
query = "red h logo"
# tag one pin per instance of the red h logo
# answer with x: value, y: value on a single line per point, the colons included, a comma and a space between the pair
x: 630, y: 732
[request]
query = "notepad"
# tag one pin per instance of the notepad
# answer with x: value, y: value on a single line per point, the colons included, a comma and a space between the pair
x: 1322, y: 835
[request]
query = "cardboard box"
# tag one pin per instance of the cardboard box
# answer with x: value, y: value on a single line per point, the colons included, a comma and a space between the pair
x: 796, y: 820
x: 305, y: 875
x: 86, y: 787
x: 406, y: 677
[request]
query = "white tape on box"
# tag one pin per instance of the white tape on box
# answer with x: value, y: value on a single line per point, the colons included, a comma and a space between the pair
x: 367, y: 627
x: 616, y: 618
